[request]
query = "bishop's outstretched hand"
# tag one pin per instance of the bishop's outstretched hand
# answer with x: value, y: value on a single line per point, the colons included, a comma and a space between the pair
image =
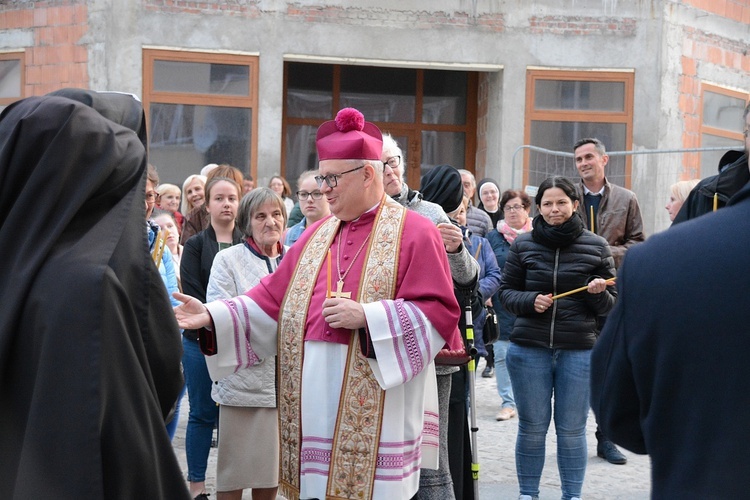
x: 191, y: 314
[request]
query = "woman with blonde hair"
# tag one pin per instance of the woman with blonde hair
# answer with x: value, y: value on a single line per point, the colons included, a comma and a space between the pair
x: 678, y: 193
x: 194, y: 197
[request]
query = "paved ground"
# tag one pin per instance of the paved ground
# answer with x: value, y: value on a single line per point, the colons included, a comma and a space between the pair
x: 497, y: 477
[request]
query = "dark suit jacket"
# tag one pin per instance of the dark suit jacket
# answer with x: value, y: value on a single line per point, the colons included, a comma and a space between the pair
x: 670, y: 372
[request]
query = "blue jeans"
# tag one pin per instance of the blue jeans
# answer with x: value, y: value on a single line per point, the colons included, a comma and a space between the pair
x: 504, y: 387
x: 172, y: 426
x: 538, y: 374
x: 203, y: 413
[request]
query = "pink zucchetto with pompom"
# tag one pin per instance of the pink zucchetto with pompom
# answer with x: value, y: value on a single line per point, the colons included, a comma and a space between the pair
x: 349, y: 137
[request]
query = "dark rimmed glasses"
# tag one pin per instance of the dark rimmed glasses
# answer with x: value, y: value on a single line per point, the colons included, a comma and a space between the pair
x: 304, y: 195
x: 332, y: 180
x: 393, y: 161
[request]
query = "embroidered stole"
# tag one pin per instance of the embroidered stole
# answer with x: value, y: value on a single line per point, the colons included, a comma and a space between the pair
x: 357, y: 433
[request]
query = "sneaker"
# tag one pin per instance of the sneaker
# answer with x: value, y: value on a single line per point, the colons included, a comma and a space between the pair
x: 527, y: 497
x: 488, y: 372
x: 506, y: 414
x: 609, y: 452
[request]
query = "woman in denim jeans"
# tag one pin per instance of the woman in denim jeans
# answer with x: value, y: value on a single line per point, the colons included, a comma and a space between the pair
x: 551, y: 341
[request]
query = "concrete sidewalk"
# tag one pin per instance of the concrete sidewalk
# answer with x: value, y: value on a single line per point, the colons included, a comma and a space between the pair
x: 497, y: 473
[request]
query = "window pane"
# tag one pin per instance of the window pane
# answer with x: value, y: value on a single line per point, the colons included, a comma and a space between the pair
x: 710, y: 159
x: 440, y: 148
x: 560, y: 136
x: 184, y: 138
x: 445, y: 97
x: 722, y: 111
x: 579, y: 95
x: 201, y: 78
x: 301, y: 154
x: 309, y: 90
x: 381, y: 94
x: 10, y: 78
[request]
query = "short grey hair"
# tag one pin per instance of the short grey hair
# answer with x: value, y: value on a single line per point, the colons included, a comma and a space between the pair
x: 463, y: 171
x: 250, y: 204
x: 391, y: 148
x: 598, y: 145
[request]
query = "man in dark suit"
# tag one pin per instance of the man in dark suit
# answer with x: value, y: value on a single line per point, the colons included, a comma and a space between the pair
x: 669, y: 374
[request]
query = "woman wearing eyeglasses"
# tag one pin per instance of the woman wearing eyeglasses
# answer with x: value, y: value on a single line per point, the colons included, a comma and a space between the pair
x: 313, y: 204
x: 516, y: 206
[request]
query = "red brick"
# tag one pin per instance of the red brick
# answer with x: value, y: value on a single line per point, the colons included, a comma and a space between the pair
x: 44, y: 36
x: 80, y: 14
x: 688, y: 66
x: 40, y: 17
x: 60, y: 16
x: 33, y: 74
x: 734, y: 11
x: 715, y: 55
x: 61, y: 35
x: 80, y: 54
x: 79, y: 73
x: 50, y: 73
x: 716, y: 6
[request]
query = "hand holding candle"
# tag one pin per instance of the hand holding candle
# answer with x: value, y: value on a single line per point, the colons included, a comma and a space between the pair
x: 571, y: 292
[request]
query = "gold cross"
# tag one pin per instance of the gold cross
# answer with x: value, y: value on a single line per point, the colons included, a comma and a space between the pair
x: 340, y: 293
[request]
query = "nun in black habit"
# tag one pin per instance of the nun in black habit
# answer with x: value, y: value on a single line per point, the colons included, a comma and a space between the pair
x: 89, y: 347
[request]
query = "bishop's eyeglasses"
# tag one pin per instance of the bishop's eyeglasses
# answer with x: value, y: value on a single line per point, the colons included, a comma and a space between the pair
x: 332, y: 180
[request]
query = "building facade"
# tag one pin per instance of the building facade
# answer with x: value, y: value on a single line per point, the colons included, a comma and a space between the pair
x: 463, y: 82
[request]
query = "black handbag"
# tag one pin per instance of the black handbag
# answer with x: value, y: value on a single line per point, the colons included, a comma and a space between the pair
x: 490, y: 332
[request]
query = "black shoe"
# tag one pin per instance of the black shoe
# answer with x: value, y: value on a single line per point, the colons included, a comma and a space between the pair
x: 488, y: 372
x: 609, y: 452
x: 202, y: 496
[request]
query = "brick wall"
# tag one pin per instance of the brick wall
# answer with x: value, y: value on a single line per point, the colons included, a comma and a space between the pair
x: 57, y: 59
x: 246, y: 8
x: 736, y: 10
x: 582, y: 26
x: 699, y: 49
x: 412, y: 19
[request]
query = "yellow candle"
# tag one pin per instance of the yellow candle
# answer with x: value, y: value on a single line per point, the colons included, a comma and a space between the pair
x: 592, y: 218
x: 328, y: 276
x: 571, y: 292
x: 716, y: 201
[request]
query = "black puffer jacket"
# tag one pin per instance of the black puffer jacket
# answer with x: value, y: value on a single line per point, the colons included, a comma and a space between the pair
x: 533, y: 268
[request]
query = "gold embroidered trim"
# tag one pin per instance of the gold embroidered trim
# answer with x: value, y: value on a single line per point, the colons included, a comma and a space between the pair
x: 291, y: 351
x: 357, y: 435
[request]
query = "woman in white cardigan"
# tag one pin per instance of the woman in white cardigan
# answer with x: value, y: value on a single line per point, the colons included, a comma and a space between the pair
x: 248, y: 419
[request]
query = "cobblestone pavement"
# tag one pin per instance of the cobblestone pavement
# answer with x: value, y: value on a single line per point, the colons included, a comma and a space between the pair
x: 496, y: 443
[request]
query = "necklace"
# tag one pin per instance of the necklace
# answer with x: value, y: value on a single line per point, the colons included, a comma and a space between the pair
x: 339, y: 293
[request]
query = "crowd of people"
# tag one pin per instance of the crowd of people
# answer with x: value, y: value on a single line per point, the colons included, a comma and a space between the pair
x: 323, y: 332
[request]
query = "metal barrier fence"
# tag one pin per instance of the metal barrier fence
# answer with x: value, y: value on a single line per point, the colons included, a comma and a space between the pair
x: 652, y: 172
x: 544, y: 163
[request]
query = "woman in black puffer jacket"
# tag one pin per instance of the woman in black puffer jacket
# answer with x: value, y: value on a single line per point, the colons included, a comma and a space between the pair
x: 551, y: 339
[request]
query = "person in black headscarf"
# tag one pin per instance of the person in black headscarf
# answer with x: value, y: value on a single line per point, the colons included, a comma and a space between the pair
x: 442, y: 186
x: 89, y: 347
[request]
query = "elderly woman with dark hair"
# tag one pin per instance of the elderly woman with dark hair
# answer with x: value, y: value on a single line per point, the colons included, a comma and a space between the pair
x: 550, y: 352
x: 248, y: 419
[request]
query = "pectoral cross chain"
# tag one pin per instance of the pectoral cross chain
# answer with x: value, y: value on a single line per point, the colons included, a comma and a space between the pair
x: 340, y: 293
